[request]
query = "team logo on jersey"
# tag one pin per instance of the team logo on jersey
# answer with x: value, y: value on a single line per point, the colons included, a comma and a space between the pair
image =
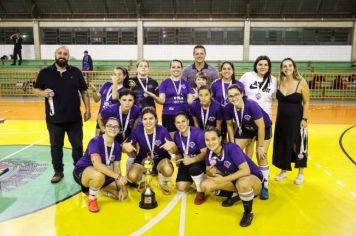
x: 227, y: 164
x: 132, y: 84
x: 247, y: 117
x: 191, y: 144
x: 211, y: 118
x: 158, y: 142
x: 183, y: 86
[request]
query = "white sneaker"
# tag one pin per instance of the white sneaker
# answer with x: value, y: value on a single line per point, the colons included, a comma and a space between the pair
x: 299, y: 180
x: 281, y: 176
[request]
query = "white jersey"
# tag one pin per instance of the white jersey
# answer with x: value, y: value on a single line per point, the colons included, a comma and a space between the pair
x: 256, y: 88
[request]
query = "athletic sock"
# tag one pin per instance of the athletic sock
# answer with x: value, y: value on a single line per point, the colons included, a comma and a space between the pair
x: 197, y: 180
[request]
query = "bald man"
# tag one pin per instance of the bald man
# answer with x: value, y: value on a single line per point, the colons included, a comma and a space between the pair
x: 59, y: 85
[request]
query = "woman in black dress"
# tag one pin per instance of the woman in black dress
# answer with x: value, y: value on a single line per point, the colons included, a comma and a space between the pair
x: 292, y: 117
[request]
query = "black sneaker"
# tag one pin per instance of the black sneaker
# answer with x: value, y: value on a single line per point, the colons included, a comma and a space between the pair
x: 57, y: 177
x: 228, y: 202
x: 246, y: 219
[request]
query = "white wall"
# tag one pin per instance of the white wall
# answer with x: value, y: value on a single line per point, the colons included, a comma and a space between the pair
x: 185, y: 52
x: 28, y: 51
x: 302, y: 53
x: 97, y: 52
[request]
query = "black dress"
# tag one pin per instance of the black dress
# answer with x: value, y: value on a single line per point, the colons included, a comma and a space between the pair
x: 287, y: 136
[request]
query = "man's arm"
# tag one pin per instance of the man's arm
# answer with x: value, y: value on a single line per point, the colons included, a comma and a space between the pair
x: 86, y: 101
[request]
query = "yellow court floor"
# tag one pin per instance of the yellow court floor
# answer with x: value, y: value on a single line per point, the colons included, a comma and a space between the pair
x: 325, y: 204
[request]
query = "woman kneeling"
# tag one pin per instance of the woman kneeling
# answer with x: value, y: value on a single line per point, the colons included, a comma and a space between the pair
x: 228, y: 168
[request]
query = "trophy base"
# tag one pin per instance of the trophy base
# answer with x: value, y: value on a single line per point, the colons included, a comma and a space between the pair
x: 148, y: 199
x: 148, y: 206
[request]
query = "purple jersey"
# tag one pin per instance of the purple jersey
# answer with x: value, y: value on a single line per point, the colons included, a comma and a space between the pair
x: 137, y: 136
x: 176, y: 100
x: 134, y: 85
x: 96, y: 146
x: 215, y: 113
x: 251, y: 112
x: 218, y: 92
x: 106, y: 95
x: 113, y: 111
x: 196, y: 141
x: 229, y: 162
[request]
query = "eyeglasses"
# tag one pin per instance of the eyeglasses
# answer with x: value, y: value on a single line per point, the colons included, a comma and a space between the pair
x: 112, y: 126
x: 234, y: 96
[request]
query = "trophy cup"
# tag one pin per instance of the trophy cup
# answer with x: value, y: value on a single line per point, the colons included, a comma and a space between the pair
x: 148, y: 199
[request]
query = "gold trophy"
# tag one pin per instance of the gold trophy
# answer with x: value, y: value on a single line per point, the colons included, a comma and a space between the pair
x: 148, y: 199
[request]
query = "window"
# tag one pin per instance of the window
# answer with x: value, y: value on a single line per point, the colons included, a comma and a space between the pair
x: 301, y: 36
x: 184, y: 36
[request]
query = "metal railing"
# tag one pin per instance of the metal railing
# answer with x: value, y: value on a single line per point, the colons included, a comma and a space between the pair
x: 322, y: 85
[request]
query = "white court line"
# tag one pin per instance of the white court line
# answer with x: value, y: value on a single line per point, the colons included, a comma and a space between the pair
x: 339, y: 182
x: 328, y: 173
x: 318, y: 165
x: 158, y: 217
x: 183, y: 208
x: 353, y: 194
x: 310, y: 158
x: 22, y: 149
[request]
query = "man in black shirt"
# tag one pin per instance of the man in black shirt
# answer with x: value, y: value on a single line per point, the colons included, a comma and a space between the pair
x: 59, y: 84
x: 17, y: 47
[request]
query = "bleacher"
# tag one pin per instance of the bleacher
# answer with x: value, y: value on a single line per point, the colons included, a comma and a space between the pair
x: 241, y: 66
x: 326, y: 79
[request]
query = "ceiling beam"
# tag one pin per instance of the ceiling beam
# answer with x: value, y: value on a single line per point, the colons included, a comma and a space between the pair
x: 319, y: 5
x: 2, y: 7
x: 139, y: 9
x: 69, y: 7
x: 106, y: 7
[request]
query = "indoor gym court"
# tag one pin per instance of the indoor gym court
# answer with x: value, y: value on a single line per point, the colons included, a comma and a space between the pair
x: 325, y: 204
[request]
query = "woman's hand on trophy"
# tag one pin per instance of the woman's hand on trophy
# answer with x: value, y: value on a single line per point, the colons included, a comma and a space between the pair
x: 128, y: 147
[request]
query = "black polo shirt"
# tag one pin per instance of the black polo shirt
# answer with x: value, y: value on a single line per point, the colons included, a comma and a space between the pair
x: 140, y: 100
x: 66, y: 87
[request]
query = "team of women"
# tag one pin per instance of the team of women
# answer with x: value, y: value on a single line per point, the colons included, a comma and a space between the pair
x: 205, y: 128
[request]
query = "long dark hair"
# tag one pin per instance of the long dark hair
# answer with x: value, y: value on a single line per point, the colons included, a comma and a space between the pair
x: 233, y: 79
x: 124, y: 71
x: 268, y: 73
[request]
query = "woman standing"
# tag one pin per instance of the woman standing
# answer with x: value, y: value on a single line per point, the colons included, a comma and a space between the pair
x: 100, y: 168
x: 219, y: 87
x: 142, y: 83
x: 151, y: 139
x: 109, y: 92
x: 228, y: 168
x: 260, y: 86
x: 251, y: 123
x: 292, y: 115
x: 175, y: 94
x: 206, y: 111
x: 191, y: 153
